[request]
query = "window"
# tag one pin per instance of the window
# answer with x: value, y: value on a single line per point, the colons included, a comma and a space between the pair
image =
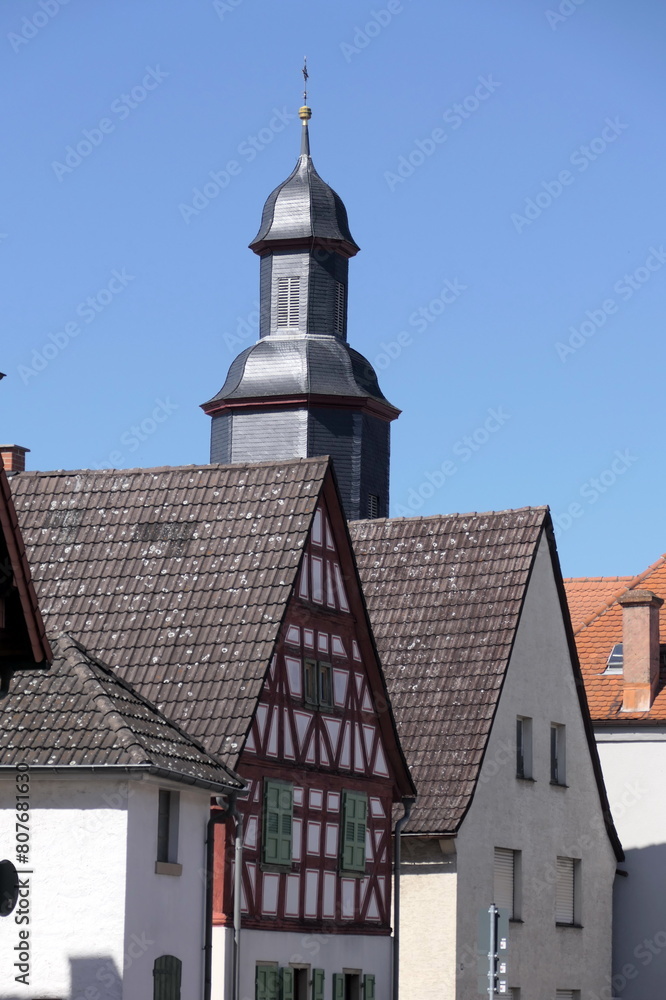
x: 567, y: 898
x: 567, y: 994
x: 373, y: 506
x: 167, y: 972
x: 523, y: 747
x: 278, y: 812
x: 318, y: 685
x: 288, y: 290
x: 266, y: 982
x: 557, y: 754
x: 506, y: 881
x: 354, y: 819
x: 348, y: 986
x: 615, y: 662
x: 167, y: 832
x: 339, y: 309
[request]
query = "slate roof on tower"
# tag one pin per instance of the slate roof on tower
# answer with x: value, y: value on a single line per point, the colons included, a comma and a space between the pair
x: 304, y: 207
x: 180, y: 576
x: 445, y: 596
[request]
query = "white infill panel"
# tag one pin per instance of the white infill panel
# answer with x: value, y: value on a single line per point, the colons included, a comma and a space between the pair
x: 564, y: 903
x: 311, y: 892
x: 270, y: 894
x: 314, y: 837
x: 348, y: 891
x: 328, y: 909
x: 294, y: 676
x: 291, y: 900
x: 331, y: 840
x: 503, y: 879
x: 317, y: 579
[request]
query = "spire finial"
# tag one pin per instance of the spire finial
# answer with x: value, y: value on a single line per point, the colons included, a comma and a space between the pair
x: 305, y: 113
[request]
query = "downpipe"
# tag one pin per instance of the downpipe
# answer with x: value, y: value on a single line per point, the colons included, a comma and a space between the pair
x: 217, y: 817
x: 407, y: 804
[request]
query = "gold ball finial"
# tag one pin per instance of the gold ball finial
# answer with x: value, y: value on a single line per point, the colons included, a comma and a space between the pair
x: 305, y: 113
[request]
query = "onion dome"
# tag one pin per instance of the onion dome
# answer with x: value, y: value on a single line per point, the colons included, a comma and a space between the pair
x: 304, y: 209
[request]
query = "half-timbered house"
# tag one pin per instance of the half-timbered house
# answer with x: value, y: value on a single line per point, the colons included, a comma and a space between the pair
x: 229, y: 596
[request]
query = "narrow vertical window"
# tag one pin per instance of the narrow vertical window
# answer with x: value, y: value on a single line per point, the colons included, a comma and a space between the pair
x: 288, y: 303
x: 167, y: 826
x: 523, y: 747
x: 567, y: 896
x: 506, y: 881
x: 339, y: 309
x: 278, y: 812
x: 354, y: 820
x: 557, y: 754
x: 373, y: 506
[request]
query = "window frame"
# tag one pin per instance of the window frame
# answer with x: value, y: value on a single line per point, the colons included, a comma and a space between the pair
x: 515, y: 910
x: 558, y: 754
x: 524, y: 748
x: 317, y: 683
x: 168, y: 823
x: 353, y: 866
x: 278, y: 859
x: 575, y: 867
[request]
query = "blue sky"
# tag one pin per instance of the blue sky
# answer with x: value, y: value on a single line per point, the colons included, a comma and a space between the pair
x: 502, y: 166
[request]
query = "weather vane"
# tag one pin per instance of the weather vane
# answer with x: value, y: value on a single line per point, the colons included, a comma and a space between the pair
x: 306, y: 76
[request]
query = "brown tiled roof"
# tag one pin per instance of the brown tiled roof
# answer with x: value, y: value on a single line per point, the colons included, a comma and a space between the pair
x: 81, y: 713
x: 445, y: 595
x: 599, y: 629
x: 180, y: 576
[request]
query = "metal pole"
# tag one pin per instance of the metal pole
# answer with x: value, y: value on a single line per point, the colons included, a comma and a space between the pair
x: 492, y: 951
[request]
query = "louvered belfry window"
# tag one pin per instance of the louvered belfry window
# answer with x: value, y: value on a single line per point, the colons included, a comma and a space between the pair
x: 339, y: 308
x: 278, y: 811
x: 504, y: 882
x: 565, y: 903
x: 167, y: 972
x: 288, y: 303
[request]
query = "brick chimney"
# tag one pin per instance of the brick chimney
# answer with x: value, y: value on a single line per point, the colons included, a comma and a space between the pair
x: 640, y: 648
x: 13, y: 458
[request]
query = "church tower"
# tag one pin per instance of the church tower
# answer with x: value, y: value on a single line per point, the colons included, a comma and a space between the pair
x: 301, y: 391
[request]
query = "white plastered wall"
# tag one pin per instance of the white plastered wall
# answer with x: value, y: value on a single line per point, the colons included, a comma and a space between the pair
x: 634, y: 765
x: 428, y: 898
x: 539, y: 819
x: 78, y: 842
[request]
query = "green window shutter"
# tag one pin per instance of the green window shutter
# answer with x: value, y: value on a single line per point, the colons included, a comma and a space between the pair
x: 325, y: 686
x: 286, y: 984
x: 338, y: 986
x: 266, y: 979
x: 310, y: 682
x: 354, y: 820
x: 368, y: 988
x: 278, y: 813
x: 166, y: 978
x: 317, y: 984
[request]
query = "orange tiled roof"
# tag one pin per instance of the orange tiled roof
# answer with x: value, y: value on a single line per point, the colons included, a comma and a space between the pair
x: 597, y: 622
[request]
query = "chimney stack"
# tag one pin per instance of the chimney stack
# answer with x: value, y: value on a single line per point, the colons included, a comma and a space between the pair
x: 640, y: 648
x: 13, y: 458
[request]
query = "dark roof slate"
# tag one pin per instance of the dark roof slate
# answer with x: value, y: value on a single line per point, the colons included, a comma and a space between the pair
x: 445, y: 595
x: 180, y: 576
x: 81, y: 713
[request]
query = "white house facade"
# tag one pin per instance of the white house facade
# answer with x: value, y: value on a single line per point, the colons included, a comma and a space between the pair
x: 484, y: 678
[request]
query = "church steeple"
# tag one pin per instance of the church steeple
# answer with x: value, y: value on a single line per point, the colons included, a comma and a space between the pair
x: 301, y: 390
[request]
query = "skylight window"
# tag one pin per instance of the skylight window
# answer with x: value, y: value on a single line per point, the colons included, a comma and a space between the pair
x: 615, y: 662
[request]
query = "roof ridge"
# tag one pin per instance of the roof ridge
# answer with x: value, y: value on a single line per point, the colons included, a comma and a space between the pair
x: 178, y: 468
x: 633, y: 582
x: 545, y: 508
x: 104, y: 703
